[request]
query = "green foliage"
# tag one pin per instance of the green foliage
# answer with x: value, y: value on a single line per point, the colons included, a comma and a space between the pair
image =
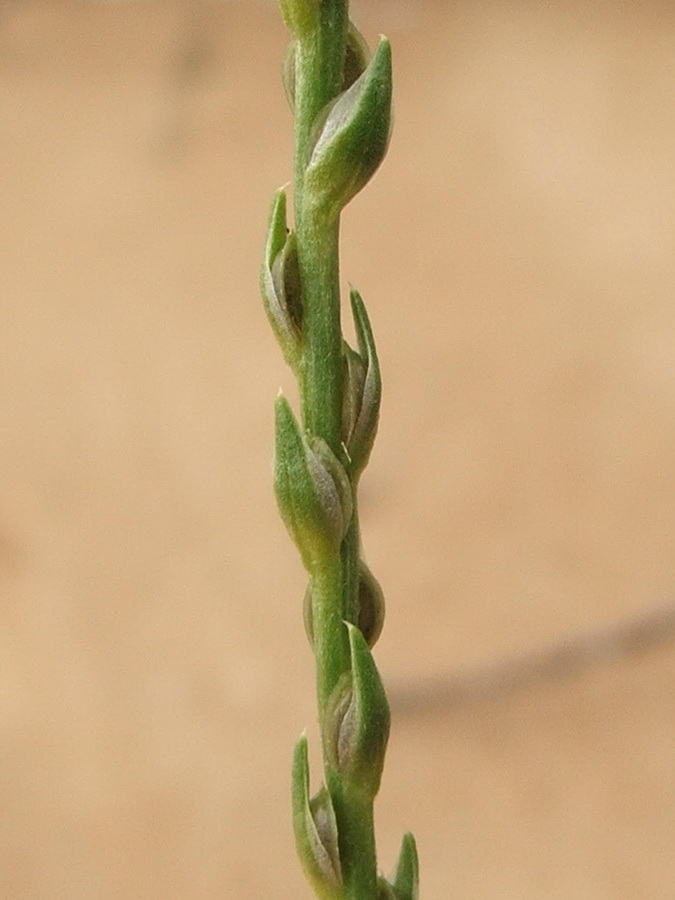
x: 362, y: 390
x: 341, y: 98
x: 280, y: 283
x: 356, y: 721
x: 312, y: 488
x: 350, y: 137
x: 315, y: 829
x: 407, y: 876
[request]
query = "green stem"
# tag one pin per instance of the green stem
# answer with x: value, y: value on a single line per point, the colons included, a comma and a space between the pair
x: 318, y: 77
x: 342, y: 101
x: 319, y: 67
x: 354, y: 814
x: 319, y: 74
x: 330, y: 649
x: 321, y: 368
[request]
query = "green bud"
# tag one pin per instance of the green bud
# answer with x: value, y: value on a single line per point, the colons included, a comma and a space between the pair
x: 286, y: 280
x: 312, y: 488
x: 407, y: 875
x: 280, y: 283
x: 352, y: 136
x: 356, y: 723
x: 363, y: 390
x: 353, y: 377
x: 300, y: 16
x: 371, y: 607
x: 315, y: 827
x: 357, y: 56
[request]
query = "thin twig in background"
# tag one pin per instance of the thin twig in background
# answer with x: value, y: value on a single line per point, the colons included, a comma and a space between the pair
x: 571, y: 656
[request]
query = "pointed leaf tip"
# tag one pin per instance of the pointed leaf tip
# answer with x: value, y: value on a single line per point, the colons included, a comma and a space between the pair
x: 406, y: 876
x: 280, y: 282
x: 315, y: 829
x: 277, y: 228
x: 356, y: 722
x: 352, y: 136
x: 363, y: 392
x: 312, y: 488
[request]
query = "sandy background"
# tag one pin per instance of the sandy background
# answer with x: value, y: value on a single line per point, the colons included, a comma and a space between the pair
x: 516, y: 255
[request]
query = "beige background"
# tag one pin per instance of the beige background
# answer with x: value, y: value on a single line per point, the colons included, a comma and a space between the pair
x: 516, y: 254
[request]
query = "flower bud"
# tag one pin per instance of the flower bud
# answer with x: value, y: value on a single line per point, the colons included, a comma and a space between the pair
x: 300, y: 16
x: 353, y: 377
x: 407, y: 875
x: 363, y: 390
x: 315, y: 828
x: 312, y: 488
x: 370, y: 607
x: 352, y: 136
x: 280, y: 283
x: 356, y: 722
x: 357, y: 56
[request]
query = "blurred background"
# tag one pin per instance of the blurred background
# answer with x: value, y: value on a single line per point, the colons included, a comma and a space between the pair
x: 516, y: 255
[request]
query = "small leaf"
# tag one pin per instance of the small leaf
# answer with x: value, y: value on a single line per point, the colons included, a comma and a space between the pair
x: 315, y: 828
x: 280, y: 283
x: 352, y: 136
x: 353, y: 378
x: 356, y: 723
x: 286, y: 280
x: 406, y: 878
x: 276, y: 229
x: 312, y: 488
x: 363, y: 393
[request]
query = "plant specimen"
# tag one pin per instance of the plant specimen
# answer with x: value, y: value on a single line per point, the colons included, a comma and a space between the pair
x: 341, y: 97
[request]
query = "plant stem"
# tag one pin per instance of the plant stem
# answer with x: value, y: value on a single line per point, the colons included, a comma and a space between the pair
x: 331, y: 649
x: 321, y: 369
x: 342, y: 103
x: 357, y: 841
x: 319, y: 67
